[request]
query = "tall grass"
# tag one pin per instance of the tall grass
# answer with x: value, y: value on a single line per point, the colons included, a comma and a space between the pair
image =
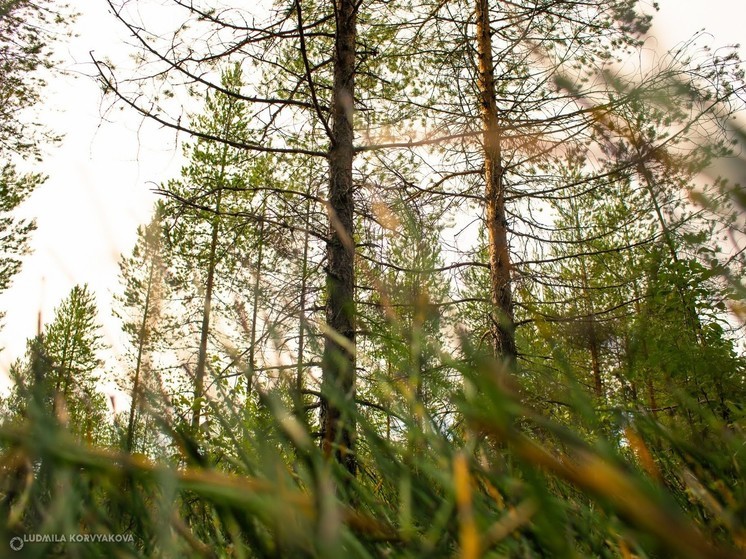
x: 496, y: 479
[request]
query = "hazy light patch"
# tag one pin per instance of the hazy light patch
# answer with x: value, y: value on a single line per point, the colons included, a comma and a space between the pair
x: 678, y: 20
x: 97, y: 193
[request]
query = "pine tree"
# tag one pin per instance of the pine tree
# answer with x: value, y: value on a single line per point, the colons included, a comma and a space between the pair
x: 406, y: 330
x: 204, y: 239
x: 61, y: 369
x: 142, y: 309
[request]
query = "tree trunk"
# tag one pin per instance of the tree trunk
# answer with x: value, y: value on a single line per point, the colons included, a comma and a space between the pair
x: 598, y: 387
x: 141, y: 337
x: 589, y: 309
x: 255, y: 303
x: 298, y: 397
x: 199, y: 376
x: 690, y: 312
x: 502, y: 327
x: 338, y: 381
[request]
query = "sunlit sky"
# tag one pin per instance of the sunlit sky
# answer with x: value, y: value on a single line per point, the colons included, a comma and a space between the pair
x: 100, y: 177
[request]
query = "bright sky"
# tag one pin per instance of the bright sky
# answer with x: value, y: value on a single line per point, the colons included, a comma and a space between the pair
x: 97, y: 193
x: 99, y: 178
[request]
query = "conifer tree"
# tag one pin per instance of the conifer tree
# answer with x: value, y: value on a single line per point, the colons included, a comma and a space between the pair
x: 205, y: 240
x: 62, y: 365
x: 142, y: 308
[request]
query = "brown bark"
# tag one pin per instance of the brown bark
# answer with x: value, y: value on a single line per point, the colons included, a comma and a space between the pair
x: 141, y: 339
x: 590, y: 311
x: 502, y: 326
x: 199, y: 376
x: 302, y: 325
x: 338, y: 382
x: 598, y: 387
x: 255, y: 304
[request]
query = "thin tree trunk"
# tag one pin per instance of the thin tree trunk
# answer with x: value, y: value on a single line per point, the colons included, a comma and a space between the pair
x: 199, y: 377
x: 651, y: 395
x: 647, y: 374
x: 598, y: 387
x: 691, y: 318
x: 590, y: 311
x: 338, y: 382
x: 138, y: 364
x: 690, y: 313
x: 255, y: 303
x: 502, y: 326
x: 60, y: 389
x: 302, y: 312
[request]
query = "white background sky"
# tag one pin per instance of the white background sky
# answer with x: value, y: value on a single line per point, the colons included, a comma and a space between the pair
x: 98, y: 190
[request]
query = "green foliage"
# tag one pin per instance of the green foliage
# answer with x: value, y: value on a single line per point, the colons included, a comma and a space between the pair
x: 28, y: 29
x: 59, y: 374
x: 489, y: 487
x: 14, y: 232
x: 618, y: 433
x: 143, y: 308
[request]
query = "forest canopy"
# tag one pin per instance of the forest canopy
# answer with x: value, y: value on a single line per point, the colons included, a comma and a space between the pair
x: 436, y: 279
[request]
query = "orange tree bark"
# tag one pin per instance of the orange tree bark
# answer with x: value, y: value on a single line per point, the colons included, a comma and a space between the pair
x: 502, y: 327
